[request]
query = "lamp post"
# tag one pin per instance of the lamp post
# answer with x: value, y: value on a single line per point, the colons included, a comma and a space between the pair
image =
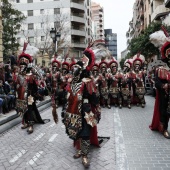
x: 56, y: 37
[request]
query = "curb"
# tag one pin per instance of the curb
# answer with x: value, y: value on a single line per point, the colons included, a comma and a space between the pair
x: 12, y: 118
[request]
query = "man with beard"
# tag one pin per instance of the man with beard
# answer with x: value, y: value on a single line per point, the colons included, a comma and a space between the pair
x: 80, y: 112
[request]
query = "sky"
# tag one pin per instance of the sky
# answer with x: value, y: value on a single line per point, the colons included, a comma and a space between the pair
x: 117, y: 14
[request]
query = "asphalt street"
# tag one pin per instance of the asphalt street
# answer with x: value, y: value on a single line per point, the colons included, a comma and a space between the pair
x: 132, y: 145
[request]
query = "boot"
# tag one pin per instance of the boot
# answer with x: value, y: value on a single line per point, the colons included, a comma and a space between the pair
x: 108, y: 106
x: 24, y: 126
x: 85, y: 145
x: 77, y: 155
x: 166, y: 134
x: 85, y: 161
x: 30, y: 130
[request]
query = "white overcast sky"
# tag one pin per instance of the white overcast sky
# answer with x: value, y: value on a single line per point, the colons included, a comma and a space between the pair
x: 117, y: 14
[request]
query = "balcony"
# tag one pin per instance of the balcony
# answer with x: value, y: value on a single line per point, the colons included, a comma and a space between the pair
x: 77, y: 6
x: 78, y: 45
x: 78, y: 32
x: 78, y: 19
x: 141, y: 13
x: 159, y: 12
x: 167, y: 3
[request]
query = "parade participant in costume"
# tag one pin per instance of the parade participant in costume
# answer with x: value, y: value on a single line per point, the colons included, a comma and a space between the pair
x: 128, y: 78
x: 162, y: 83
x: 103, y: 88
x: 138, y: 84
x: 114, y: 84
x: 80, y: 114
x: 55, y: 81
x: 96, y: 78
x: 27, y: 93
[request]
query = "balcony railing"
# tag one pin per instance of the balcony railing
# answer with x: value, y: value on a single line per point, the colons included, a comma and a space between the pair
x: 78, y: 19
x: 78, y: 32
x: 77, y: 6
x: 78, y: 44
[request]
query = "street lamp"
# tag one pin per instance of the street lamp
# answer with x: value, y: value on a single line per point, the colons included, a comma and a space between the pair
x: 56, y: 37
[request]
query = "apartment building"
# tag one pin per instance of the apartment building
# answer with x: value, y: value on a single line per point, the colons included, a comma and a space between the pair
x: 1, y: 29
x: 158, y: 10
x: 98, y: 21
x: 145, y: 12
x: 71, y: 18
x: 111, y: 42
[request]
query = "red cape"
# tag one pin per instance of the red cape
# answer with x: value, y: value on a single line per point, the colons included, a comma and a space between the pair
x: 156, y: 114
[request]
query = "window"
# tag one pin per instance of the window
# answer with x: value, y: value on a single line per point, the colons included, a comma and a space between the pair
x: 30, y: 26
x: 57, y: 24
x: 29, y: 1
x: 42, y: 24
x: 30, y: 12
x: 31, y: 39
x: 17, y: 1
x: 42, y: 38
x: 56, y: 10
x: 41, y: 11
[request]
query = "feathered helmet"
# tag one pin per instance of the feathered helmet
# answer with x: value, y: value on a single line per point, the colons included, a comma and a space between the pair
x: 24, y: 58
x: 95, y: 67
x: 90, y: 55
x: 55, y: 63
x: 161, y: 39
x: 103, y: 64
x: 113, y: 63
x: 65, y: 65
x: 138, y: 59
x: 128, y: 63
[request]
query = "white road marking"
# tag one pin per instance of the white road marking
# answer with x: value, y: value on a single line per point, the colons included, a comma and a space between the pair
x: 39, y: 137
x: 121, y: 157
x: 16, y: 157
x: 52, y: 138
x: 52, y: 125
x: 34, y: 159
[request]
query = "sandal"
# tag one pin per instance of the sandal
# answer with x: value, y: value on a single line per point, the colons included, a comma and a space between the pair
x: 85, y: 161
x: 24, y: 126
x: 166, y: 134
x: 77, y: 155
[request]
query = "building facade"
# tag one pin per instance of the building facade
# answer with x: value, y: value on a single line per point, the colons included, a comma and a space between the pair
x: 71, y: 18
x: 111, y: 42
x: 98, y: 21
x: 145, y: 12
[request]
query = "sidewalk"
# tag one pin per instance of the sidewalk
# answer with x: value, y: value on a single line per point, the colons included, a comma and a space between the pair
x: 11, y: 119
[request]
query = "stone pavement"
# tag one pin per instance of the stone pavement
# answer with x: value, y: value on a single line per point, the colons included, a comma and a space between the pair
x: 11, y: 119
x: 132, y: 144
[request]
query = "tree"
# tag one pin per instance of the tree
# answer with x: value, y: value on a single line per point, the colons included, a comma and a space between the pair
x: 142, y: 44
x: 11, y: 21
x: 61, y: 23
